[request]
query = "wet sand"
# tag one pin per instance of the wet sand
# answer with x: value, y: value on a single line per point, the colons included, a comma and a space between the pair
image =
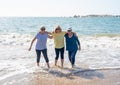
x: 66, y: 76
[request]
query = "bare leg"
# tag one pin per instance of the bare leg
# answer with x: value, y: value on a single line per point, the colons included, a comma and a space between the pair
x: 55, y: 62
x: 37, y: 64
x: 62, y: 61
x: 48, y: 65
x: 72, y: 66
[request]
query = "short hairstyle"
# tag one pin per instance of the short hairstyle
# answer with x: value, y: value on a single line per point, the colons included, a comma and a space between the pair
x: 42, y: 28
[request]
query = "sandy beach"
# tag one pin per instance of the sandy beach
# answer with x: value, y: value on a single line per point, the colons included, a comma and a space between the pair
x: 66, y: 76
x: 97, y: 64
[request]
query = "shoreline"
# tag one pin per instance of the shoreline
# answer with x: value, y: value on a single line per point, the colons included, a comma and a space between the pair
x: 99, y: 54
x: 90, y: 77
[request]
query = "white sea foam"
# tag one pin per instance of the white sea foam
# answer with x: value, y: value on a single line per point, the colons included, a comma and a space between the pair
x: 100, y: 42
x: 86, y: 41
x: 96, y: 53
x: 15, y: 39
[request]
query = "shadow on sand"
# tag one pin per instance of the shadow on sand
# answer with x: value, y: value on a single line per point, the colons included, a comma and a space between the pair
x: 76, y: 72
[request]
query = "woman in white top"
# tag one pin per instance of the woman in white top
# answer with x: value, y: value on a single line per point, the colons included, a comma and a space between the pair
x: 41, y: 45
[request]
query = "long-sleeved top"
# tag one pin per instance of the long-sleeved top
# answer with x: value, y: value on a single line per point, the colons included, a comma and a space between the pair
x: 72, y: 43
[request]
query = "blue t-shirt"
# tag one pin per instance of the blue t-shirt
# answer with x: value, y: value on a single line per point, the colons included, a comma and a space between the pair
x: 41, y: 41
x: 72, y: 43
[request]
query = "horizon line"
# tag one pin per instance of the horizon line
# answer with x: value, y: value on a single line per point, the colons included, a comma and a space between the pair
x: 65, y: 16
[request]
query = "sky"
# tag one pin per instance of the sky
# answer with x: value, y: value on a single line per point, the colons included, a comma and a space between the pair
x: 50, y: 8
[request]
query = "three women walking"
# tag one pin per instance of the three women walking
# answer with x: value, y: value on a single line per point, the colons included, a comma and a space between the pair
x: 72, y: 45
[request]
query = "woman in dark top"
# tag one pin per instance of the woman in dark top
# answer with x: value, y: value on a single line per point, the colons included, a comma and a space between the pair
x: 72, y: 45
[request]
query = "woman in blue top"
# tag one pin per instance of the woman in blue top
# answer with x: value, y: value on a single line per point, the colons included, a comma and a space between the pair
x: 41, y: 45
x: 72, y: 45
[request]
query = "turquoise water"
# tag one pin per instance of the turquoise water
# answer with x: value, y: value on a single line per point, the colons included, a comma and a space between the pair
x: 84, y: 25
x: 96, y: 52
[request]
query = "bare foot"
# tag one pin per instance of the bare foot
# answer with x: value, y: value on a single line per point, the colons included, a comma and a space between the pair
x: 38, y: 64
x: 55, y: 65
x: 61, y: 66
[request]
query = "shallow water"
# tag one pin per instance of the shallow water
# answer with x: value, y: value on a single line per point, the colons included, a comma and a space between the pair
x: 101, y: 51
x: 96, y: 53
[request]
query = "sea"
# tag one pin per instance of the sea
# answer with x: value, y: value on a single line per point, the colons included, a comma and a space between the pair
x: 99, y: 38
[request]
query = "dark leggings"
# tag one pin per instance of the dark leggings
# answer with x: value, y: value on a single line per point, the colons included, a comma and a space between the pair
x: 61, y: 51
x: 44, y: 52
x: 71, y: 55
